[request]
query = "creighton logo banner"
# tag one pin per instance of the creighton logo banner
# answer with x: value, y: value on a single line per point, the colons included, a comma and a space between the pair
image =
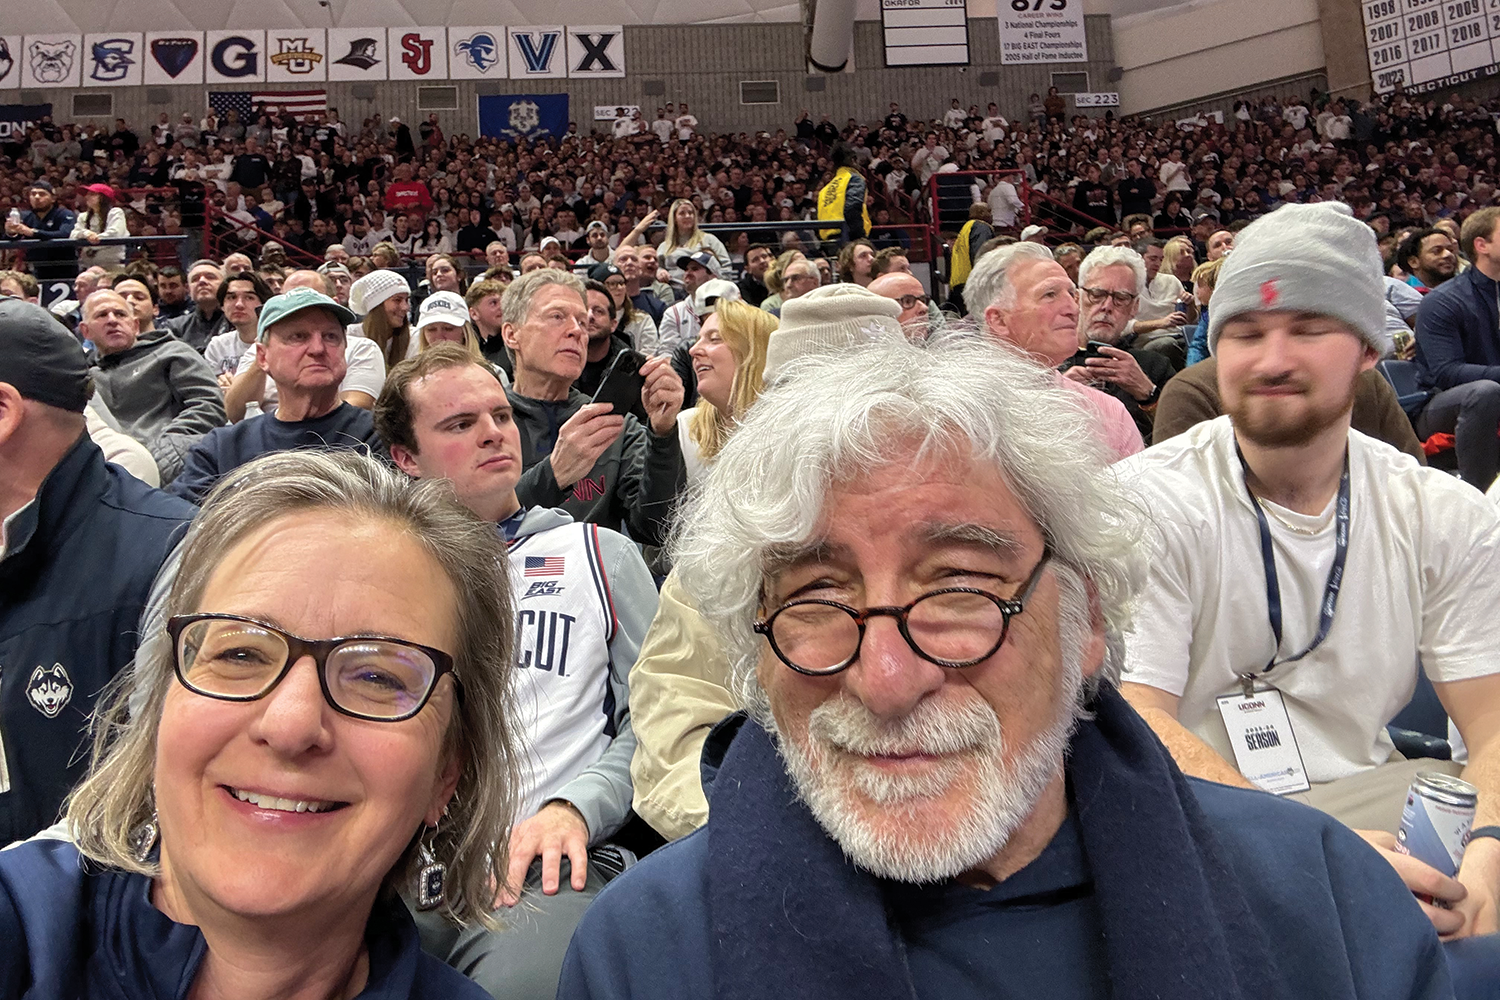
x: 524, y: 116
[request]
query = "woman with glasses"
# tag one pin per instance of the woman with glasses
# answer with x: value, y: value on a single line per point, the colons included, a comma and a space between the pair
x: 634, y: 325
x: 318, y: 725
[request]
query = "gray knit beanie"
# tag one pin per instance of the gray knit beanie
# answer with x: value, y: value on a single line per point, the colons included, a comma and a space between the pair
x: 829, y: 319
x: 1308, y: 258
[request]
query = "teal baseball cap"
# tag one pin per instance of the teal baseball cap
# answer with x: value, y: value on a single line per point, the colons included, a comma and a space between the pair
x: 280, y: 307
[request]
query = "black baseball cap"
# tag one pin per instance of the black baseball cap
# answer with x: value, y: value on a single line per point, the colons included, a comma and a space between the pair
x: 40, y: 184
x: 603, y: 272
x: 41, y: 358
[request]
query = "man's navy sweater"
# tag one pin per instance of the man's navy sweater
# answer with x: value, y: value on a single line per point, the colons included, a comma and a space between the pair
x: 227, y: 448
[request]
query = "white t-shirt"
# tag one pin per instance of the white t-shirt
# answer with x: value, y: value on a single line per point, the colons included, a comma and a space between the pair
x: 366, y: 371
x: 994, y: 128
x: 224, y: 351
x: 696, y: 467
x: 1160, y: 300
x: 1421, y: 585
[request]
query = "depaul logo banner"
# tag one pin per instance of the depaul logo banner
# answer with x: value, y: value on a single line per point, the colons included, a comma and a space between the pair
x: 524, y: 116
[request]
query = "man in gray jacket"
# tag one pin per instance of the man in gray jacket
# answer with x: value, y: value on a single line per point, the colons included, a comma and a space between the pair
x: 596, y: 465
x: 160, y: 390
x: 584, y: 600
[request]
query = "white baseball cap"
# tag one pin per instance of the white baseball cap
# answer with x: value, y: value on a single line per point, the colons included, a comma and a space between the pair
x: 442, y: 307
x: 710, y: 293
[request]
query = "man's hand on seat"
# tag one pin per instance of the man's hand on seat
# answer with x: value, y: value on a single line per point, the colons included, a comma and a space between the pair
x: 556, y: 830
x: 1426, y: 881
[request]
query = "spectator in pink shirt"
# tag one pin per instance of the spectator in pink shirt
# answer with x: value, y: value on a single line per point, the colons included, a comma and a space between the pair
x: 1022, y: 296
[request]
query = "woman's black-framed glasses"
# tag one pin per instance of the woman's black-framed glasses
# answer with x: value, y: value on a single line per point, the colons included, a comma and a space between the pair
x: 372, y: 677
x: 953, y: 627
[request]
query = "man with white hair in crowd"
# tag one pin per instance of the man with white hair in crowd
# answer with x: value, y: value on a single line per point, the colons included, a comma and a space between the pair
x: 797, y: 279
x: 1111, y: 281
x: 1302, y: 572
x: 1022, y: 296
x: 938, y: 791
x: 597, y: 465
x: 160, y: 390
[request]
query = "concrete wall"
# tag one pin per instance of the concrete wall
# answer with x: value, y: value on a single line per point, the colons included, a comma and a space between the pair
x: 1208, y: 47
x: 703, y: 64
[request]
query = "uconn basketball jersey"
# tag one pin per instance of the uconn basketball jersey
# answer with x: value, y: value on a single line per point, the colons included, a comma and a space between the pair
x: 565, y: 620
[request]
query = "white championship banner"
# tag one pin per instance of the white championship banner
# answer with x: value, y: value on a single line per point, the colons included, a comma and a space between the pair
x: 1041, y: 31
x: 1425, y: 45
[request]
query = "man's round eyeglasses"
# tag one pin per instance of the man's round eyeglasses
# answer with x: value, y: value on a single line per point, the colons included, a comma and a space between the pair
x: 372, y: 677
x: 912, y: 301
x: 953, y: 627
x: 1093, y: 296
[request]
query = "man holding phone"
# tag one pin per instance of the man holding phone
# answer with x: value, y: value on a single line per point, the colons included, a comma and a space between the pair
x: 1111, y: 281
x: 590, y: 459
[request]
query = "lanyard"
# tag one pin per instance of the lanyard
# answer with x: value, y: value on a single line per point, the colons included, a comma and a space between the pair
x: 1335, y: 573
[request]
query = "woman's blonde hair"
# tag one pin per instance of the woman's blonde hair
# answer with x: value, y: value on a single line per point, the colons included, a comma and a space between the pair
x: 111, y: 805
x: 1173, y: 250
x: 676, y: 239
x: 470, y: 342
x: 1207, y: 273
x: 746, y: 331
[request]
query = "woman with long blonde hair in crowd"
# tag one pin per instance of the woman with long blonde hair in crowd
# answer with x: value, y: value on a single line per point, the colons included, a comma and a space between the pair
x: 684, y: 236
x: 729, y: 361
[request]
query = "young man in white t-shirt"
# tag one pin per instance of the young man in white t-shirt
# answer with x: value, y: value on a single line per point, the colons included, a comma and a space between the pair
x: 1378, y: 567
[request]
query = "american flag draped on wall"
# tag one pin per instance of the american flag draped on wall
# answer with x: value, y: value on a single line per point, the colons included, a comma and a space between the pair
x: 300, y: 102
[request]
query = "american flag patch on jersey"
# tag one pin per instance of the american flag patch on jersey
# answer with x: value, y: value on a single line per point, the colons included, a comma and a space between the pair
x: 543, y: 566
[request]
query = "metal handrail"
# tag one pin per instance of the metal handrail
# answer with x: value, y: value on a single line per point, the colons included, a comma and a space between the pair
x: 103, y: 241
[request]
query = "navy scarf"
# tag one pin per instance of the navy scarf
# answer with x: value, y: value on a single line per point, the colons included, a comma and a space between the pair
x: 792, y: 917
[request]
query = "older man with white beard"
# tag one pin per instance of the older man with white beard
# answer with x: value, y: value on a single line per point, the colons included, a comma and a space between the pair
x: 938, y: 791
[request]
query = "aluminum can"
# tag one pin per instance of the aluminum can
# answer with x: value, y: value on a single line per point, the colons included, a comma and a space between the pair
x: 1436, y: 820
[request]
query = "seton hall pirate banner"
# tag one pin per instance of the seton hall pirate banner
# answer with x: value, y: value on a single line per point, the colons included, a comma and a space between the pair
x: 312, y: 55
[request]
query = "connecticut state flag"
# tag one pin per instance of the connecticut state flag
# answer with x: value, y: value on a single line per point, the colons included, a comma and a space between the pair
x: 524, y: 116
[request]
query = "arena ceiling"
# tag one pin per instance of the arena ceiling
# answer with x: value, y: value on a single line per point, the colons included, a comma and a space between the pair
x: 42, y: 16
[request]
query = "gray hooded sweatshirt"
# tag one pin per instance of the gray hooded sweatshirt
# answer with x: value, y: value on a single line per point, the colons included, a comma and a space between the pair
x: 163, y: 394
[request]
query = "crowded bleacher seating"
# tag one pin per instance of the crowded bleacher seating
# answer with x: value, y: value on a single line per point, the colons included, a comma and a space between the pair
x: 663, y: 419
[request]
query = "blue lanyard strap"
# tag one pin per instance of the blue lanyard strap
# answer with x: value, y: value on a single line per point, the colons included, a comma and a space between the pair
x: 1335, y: 573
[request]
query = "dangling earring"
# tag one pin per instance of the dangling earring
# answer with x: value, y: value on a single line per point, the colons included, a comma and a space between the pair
x: 143, y: 839
x: 431, y: 880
